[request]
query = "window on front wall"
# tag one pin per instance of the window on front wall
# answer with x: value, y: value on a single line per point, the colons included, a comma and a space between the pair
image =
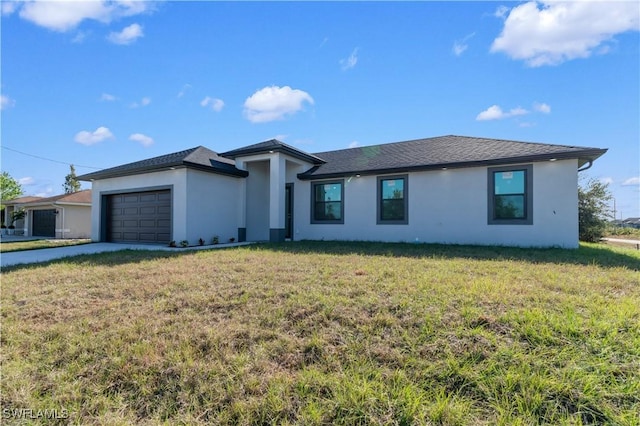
x: 392, y: 200
x: 510, y: 195
x: 327, y: 202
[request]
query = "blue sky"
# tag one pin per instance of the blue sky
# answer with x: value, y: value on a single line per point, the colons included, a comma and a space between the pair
x: 102, y: 83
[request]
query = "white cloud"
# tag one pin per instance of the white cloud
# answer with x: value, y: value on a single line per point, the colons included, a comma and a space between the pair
x: 6, y: 102
x: 143, y: 103
x: 494, y: 112
x: 274, y: 103
x: 634, y: 181
x: 542, y: 107
x: 350, y: 62
x: 65, y: 15
x: 106, y: 97
x: 354, y: 144
x: 501, y: 12
x: 606, y: 180
x: 91, y: 138
x: 79, y: 37
x: 552, y: 32
x: 47, y: 191
x: 459, y: 46
x: 127, y: 36
x: 8, y: 7
x: 27, y: 180
x: 214, y: 103
x: 143, y: 139
x: 184, y: 90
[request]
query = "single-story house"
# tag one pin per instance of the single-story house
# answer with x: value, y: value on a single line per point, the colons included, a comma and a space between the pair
x: 60, y: 216
x: 631, y: 222
x: 7, y: 210
x: 449, y: 189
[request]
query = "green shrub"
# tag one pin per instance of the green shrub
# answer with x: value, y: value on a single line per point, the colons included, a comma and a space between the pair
x: 593, y: 210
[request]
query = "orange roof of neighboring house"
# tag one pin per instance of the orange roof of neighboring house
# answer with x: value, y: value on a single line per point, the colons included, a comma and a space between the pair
x: 80, y: 197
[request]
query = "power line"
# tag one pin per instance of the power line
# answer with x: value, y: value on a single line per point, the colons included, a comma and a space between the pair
x: 49, y: 159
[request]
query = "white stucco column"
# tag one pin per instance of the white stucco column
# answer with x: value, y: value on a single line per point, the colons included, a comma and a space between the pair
x: 277, y: 180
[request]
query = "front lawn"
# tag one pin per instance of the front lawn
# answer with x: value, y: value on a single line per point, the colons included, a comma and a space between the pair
x: 326, y: 333
x: 9, y: 246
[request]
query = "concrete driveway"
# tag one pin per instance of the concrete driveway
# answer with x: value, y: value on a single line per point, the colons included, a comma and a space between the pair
x: 44, y: 255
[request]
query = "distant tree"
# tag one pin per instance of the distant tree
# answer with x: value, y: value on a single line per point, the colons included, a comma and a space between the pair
x: 71, y: 183
x: 593, y: 209
x: 9, y: 187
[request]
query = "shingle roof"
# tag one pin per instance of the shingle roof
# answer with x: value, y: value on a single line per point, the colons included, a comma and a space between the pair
x: 21, y: 200
x: 444, y: 151
x: 420, y: 154
x: 79, y: 197
x: 273, y: 145
x: 200, y: 158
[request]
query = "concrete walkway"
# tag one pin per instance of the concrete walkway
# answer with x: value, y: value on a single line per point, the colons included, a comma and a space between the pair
x: 44, y: 255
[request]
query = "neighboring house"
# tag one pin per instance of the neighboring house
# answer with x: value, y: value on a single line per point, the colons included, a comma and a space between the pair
x: 7, y: 210
x: 61, y: 216
x: 632, y: 222
x: 450, y: 189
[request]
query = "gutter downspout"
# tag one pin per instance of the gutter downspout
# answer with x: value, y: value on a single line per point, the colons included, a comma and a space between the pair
x: 587, y: 167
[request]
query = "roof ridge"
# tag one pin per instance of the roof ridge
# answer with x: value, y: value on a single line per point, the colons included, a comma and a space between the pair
x: 477, y: 138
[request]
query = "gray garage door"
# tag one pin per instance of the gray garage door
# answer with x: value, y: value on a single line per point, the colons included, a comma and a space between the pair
x: 139, y: 217
x: 44, y: 223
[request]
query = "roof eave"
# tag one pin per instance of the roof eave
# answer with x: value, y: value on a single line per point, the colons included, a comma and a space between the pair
x: 166, y: 167
x: 582, y: 156
x: 55, y: 203
x: 106, y: 174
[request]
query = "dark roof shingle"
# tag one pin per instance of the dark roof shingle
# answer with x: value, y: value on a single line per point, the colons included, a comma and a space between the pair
x: 444, y: 151
x: 200, y: 158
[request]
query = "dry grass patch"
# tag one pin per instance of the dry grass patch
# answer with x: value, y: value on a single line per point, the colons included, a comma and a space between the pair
x: 327, y: 333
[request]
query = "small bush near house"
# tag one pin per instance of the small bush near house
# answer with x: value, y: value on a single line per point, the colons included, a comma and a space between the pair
x: 593, y: 210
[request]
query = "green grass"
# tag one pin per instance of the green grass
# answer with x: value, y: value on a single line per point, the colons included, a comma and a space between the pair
x: 9, y: 246
x: 327, y: 333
